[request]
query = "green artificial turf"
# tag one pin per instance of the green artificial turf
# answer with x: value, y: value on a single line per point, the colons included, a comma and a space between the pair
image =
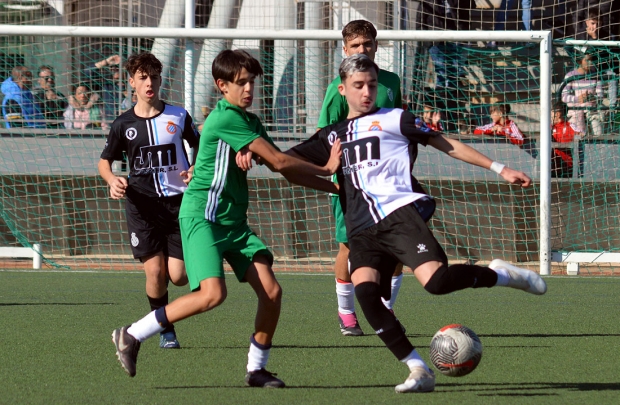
x: 560, y: 348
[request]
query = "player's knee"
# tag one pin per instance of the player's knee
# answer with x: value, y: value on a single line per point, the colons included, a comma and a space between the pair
x: 155, y: 273
x: 271, y: 296
x: 209, y: 299
x: 179, y: 279
x: 439, y: 283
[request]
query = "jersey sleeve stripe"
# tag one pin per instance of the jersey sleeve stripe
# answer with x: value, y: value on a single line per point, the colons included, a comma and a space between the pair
x: 219, y: 179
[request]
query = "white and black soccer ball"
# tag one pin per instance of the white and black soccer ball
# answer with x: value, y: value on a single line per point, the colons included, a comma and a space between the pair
x: 455, y: 350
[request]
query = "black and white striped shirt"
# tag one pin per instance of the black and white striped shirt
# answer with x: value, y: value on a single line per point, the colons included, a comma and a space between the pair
x: 378, y: 153
x: 155, y: 151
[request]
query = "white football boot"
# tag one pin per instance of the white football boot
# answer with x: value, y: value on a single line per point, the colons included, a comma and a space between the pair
x: 419, y: 380
x: 521, y: 279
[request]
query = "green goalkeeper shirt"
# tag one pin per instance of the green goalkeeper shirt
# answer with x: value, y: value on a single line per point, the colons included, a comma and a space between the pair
x: 336, y: 109
x: 218, y: 191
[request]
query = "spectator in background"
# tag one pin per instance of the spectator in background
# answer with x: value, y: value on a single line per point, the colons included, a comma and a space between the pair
x: 85, y: 114
x: 562, y: 131
x: 501, y: 126
x: 590, y: 29
x: 18, y: 106
x: 129, y: 101
x: 106, y: 78
x: 582, y: 92
x: 50, y: 102
x: 430, y: 121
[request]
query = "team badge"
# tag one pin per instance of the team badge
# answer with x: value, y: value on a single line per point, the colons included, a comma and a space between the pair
x: 331, y: 138
x: 390, y: 94
x: 131, y: 133
x: 375, y: 126
x: 134, y: 239
x: 422, y: 248
x: 171, y: 127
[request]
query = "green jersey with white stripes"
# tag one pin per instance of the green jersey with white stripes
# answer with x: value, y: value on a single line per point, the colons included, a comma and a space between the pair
x: 218, y: 191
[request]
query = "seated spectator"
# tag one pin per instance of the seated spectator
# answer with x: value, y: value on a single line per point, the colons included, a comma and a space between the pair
x: 85, y: 114
x: 501, y: 125
x: 50, y: 102
x: 430, y: 121
x: 18, y: 106
x: 562, y: 131
x: 129, y: 102
x: 582, y: 95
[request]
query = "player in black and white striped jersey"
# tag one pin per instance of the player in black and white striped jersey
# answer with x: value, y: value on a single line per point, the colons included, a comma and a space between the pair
x: 379, y: 147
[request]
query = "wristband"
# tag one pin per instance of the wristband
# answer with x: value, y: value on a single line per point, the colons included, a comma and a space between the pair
x: 497, y: 167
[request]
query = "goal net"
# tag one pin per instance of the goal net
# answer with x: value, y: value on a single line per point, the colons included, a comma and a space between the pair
x: 51, y: 194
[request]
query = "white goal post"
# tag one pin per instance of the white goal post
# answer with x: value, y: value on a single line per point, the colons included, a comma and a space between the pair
x: 543, y: 38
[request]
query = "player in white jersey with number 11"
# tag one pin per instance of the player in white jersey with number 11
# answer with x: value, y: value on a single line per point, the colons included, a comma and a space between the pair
x: 379, y: 147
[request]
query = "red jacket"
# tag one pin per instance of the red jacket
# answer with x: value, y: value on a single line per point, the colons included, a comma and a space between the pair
x: 563, y: 132
x: 509, y: 130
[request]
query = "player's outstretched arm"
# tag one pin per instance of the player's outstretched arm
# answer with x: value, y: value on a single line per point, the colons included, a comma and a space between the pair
x: 460, y: 151
x: 280, y: 162
x: 118, y: 185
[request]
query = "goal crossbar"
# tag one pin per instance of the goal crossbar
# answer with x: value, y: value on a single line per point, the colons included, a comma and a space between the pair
x: 543, y: 38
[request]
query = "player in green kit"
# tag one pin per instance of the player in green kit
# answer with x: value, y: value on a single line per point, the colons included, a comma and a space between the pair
x: 213, y: 219
x: 359, y: 37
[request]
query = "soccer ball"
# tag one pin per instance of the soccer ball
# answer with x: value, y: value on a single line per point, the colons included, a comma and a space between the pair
x: 455, y: 350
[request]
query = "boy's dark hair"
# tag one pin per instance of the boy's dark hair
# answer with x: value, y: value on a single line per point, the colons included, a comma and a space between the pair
x: 85, y: 85
x: 144, y: 62
x: 356, y: 63
x: 592, y: 14
x: 559, y: 106
x: 358, y: 28
x: 228, y: 64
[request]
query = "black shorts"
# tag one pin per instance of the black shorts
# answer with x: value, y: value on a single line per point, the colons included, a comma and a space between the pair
x: 153, y: 224
x: 402, y: 237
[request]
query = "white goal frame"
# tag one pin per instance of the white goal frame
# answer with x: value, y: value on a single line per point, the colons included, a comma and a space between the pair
x: 543, y: 38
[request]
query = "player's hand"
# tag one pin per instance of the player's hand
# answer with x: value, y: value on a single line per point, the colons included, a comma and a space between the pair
x: 497, y: 129
x: 515, y: 177
x: 244, y: 159
x: 118, y: 187
x: 187, y: 175
x: 334, y: 157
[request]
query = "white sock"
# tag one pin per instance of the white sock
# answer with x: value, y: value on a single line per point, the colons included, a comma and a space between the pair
x: 396, y: 282
x: 346, y: 297
x: 414, y: 360
x: 145, y: 327
x: 503, y: 277
x: 257, y: 357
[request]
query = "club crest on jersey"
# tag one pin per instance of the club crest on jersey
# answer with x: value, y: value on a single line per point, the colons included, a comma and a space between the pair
x: 134, y: 239
x: 171, y: 127
x: 422, y: 248
x: 390, y: 94
x: 131, y: 133
x: 375, y: 126
x: 331, y: 138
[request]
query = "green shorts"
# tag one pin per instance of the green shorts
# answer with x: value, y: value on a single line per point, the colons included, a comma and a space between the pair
x: 206, y: 244
x: 341, y: 228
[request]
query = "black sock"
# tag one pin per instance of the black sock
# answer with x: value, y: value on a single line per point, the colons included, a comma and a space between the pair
x: 382, y: 320
x: 448, y: 279
x: 160, y: 302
